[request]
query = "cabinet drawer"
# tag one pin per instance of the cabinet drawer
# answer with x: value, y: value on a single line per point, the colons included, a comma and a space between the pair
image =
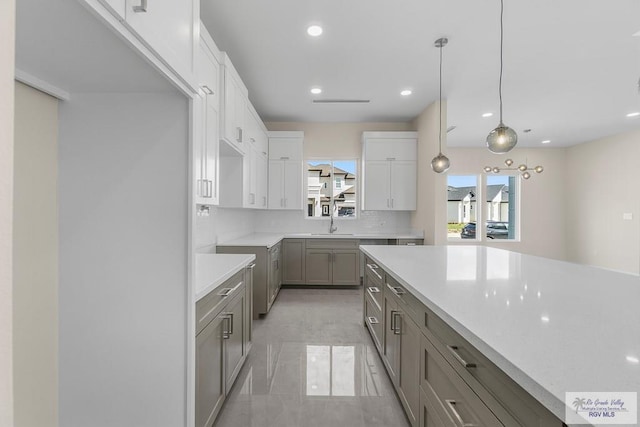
x: 510, y: 403
x: 449, y: 394
x: 374, y: 321
x: 209, y: 306
x: 375, y: 273
x: 374, y: 291
x: 332, y: 243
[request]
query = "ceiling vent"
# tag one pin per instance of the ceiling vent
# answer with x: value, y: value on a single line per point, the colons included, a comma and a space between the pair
x: 341, y: 101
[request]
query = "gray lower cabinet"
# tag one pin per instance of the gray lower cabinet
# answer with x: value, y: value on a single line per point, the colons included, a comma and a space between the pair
x: 267, y: 274
x: 293, y: 261
x: 402, y: 354
x: 223, y: 340
x: 332, y: 262
x: 210, y: 381
x: 440, y: 378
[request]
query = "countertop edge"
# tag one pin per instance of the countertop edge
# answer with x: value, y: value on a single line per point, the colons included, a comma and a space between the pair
x: 230, y: 270
x: 268, y: 241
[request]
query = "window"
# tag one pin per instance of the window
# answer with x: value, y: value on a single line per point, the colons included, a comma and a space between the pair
x: 497, y: 203
x: 331, y: 188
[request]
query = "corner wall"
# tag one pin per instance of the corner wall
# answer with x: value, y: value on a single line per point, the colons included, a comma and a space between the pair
x: 601, y: 186
x: 431, y: 186
x: 7, y: 59
x: 35, y: 258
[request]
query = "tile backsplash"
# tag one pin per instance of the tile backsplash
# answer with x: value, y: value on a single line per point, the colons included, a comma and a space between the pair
x: 225, y: 224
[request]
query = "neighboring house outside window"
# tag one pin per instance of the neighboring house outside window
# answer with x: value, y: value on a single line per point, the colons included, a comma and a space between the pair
x: 331, y: 188
x: 499, y: 196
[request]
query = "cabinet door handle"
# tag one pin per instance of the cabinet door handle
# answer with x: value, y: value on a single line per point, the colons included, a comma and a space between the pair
x: 205, y: 88
x: 199, y: 188
x: 397, y: 330
x: 230, y: 323
x: 209, y: 188
x: 373, y: 289
x: 372, y: 320
x: 141, y: 8
x: 391, y: 159
x: 239, y: 134
x: 392, y: 203
x: 454, y: 350
x: 452, y: 406
x: 388, y: 205
x: 284, y: 158
x: 225, y: 332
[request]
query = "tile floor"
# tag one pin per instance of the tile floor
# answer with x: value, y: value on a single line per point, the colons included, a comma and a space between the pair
x: 313, y: 364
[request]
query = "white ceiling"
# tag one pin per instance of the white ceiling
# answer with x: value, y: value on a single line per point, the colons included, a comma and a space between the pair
x: 570, y: 74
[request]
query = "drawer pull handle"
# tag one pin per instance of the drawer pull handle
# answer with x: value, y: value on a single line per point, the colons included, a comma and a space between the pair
x: 452, y: 406
x: 373, y: 290
x: 228, y: 291
x: 251, y: 266
x: 141, y: 8
x: 397, y: 290
x: 454, y: 350
x: 373, y: 268
x: 373, y: 320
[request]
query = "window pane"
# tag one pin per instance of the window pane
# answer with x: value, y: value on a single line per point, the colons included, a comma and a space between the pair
x: 501, y: 207
x: 461, y: 206
x: 331, y: 188
x: 319, y: 183
x: 344, y: 191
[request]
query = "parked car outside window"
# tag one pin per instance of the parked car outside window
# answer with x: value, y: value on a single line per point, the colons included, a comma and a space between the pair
x: 495, y: 230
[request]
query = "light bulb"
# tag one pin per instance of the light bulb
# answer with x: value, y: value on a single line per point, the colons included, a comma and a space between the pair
x: 508, y: 162
x: 522, y: 168
x: 496, y: 170
x: 539, y: 169
x: 526, y: 175
x: 502, y: 139
x: 440, y: 163
x: 487, y: 169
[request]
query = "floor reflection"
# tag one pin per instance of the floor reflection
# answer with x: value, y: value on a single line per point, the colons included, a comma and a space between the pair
x: 313, y: 364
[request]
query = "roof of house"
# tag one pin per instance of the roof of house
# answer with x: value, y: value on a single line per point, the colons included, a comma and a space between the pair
x: 456, y: 194
x: 325, y: 170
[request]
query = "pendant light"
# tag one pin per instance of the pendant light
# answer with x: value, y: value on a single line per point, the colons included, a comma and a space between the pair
x: 440, y: 163
x: 502, y: 139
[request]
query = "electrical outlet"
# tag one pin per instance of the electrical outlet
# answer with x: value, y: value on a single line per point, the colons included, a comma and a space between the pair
x: 627, y: 216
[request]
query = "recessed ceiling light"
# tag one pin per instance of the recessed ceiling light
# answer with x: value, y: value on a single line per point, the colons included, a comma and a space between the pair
x: 406, y: 92
x: 546, y: 141
x: 633, y: 359
x: 487, y: 115
x: 634, y: 114
x: 316, y: 90
x: 314, y: 30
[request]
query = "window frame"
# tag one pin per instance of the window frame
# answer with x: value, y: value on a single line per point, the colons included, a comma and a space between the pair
x: 482, y: 214
x: 332, y: 161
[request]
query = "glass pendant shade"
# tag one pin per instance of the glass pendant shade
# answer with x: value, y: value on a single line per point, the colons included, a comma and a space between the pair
x: 502, y: 139
x: 440, y: 163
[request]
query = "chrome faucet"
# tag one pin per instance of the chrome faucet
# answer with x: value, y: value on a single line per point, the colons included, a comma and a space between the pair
x: 332, y: 228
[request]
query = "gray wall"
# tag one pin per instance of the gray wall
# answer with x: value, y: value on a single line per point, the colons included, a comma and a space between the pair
x: 123, y: 260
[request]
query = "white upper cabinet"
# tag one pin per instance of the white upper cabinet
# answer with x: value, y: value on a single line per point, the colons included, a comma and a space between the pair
x: 285, y: 170
x: 389, y: 171
x: 206, y: 123
x: 256, y: 150
x: 234, y: 111
x: 167, y: 27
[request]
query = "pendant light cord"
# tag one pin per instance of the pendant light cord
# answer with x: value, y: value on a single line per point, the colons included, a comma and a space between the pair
x: 501, y: 43
x: 440, y: 105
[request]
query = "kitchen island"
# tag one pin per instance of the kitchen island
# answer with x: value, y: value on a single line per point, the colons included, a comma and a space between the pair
x: 540, y: 327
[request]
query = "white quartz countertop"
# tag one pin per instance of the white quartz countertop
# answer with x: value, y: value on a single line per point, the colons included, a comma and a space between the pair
x: 270, y: 239
x: 552, y: 326
x: 213, y: 269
